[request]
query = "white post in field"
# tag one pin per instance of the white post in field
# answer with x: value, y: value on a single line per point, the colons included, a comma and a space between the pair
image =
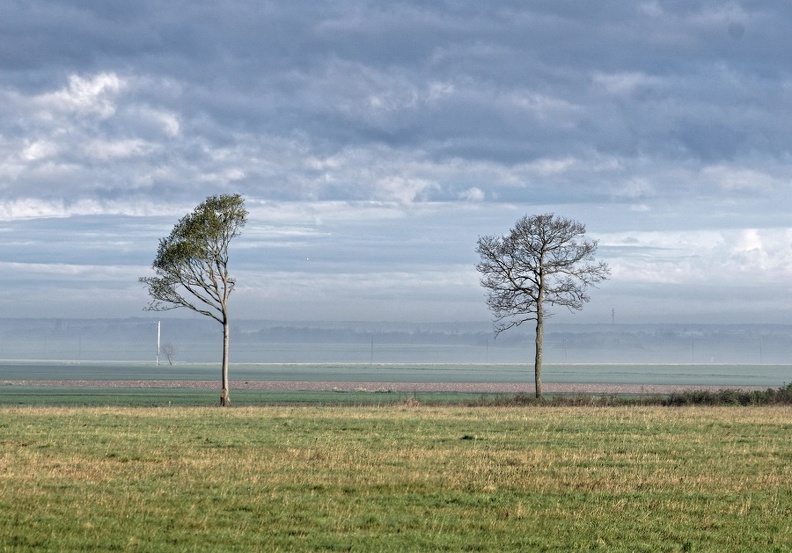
x: 158, y: 342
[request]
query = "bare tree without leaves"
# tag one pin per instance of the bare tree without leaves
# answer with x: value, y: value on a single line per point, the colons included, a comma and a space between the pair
x: 544, y: 261
x: 170, y: 352
x: 192, y: 266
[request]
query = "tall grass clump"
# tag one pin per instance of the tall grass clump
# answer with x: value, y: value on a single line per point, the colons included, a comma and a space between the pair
x: 724, y: 397
x: 771, y: 396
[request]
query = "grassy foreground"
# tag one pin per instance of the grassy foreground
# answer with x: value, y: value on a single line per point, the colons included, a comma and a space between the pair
x: 396, y: 478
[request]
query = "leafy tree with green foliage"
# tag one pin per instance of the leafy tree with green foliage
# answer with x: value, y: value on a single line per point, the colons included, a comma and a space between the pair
x: 543, y: 260
x: 192, y: 266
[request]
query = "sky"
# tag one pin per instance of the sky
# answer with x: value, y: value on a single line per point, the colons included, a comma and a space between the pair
x: 374, y: 142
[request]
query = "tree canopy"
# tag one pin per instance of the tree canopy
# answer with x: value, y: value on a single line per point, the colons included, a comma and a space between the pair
x: 192, y: 261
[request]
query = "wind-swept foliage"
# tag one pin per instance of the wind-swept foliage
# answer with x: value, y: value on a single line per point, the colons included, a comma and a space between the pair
x: 192, y: 265
x: 543, y: 260
x: 192, y: 262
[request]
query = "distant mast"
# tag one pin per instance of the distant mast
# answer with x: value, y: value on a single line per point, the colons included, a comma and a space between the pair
x: 158, y: 342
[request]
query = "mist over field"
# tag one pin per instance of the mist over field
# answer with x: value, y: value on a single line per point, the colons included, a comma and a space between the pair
x: 192, y: 340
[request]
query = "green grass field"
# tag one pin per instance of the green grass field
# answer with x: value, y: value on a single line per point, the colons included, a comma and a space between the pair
x: 396, y: 478
x: 65, y: 396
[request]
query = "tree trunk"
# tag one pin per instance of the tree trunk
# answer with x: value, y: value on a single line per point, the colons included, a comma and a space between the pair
x: 225, y: 399
x: 539, y: 342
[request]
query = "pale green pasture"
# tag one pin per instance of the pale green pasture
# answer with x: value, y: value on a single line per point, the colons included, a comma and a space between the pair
x: 763, y: 375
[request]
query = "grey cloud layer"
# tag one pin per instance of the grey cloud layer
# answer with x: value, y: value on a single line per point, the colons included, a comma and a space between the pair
x: 346, y: 119
x: 246, y: 91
